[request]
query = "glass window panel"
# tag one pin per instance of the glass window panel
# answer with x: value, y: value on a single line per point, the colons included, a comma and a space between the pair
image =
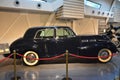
x: 45, y: 33
x: 92, y: 4
x: 64, y: 32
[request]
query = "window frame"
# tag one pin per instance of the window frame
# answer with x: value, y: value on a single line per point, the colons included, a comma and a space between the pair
x: 42, y: 30
x: 69, y: 32
x: 95, y: 3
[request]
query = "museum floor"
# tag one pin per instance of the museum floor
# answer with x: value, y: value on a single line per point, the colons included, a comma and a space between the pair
x: 77, y: 71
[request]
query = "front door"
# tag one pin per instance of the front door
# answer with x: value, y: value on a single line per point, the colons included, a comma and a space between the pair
x: 46, y: 42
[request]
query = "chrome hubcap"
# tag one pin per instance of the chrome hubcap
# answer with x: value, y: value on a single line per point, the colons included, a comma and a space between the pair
x: 31, y: 58
x: 104, y: 55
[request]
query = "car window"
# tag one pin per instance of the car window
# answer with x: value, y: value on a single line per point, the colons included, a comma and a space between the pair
x: 64, y: 32
x: 45, y: 33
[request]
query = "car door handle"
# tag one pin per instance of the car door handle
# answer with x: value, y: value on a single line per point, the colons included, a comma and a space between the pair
x: 35, y: 41
x: 60, y: 41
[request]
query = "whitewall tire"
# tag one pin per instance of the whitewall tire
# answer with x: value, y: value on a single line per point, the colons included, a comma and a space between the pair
x: 104, y: 55
x: 30, y: 58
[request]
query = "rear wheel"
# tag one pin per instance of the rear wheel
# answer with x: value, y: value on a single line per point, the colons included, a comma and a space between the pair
x: 30, y: 58
x: 104, y: 55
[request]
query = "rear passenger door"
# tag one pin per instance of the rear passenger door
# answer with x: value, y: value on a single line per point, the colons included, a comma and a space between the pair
x: 66, y: 40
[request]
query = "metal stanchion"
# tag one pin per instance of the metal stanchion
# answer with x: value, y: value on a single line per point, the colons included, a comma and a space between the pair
x: 119, y: 73
x: 15, y: 71
x: 67, y: 76
x: 117, y: 77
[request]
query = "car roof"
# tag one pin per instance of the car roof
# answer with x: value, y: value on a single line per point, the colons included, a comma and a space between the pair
x: 31, y: 31
x: 94, y: 35
x: 42, y: 27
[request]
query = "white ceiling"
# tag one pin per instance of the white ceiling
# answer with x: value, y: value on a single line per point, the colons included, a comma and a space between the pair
x: 45, y: 0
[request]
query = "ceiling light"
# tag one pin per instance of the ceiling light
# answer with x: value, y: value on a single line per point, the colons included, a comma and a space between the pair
x: 39, y: 0
x: 36, y: 0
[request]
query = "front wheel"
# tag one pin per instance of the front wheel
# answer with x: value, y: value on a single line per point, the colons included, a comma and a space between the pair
x: 104, y: 55
x: 30, y: 58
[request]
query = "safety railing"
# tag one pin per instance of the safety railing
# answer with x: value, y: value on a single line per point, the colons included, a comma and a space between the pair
x: 70, y: 54
x: 6, y: 58
x: 55, y: 57
x: 51, y: 58
x: 66, y: 54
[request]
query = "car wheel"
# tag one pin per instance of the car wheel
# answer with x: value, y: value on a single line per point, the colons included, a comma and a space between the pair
x: 104, y: 55
x: 30, y: 58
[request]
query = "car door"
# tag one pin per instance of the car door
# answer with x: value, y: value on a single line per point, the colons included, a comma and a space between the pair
x: 46, y: 42
x: 66, y: 40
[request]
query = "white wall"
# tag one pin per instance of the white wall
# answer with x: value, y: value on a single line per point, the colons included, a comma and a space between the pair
x: 86, y: 26
x: 14, y: 24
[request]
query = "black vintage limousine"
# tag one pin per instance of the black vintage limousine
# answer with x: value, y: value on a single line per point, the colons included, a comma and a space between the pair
x: 47, y: 42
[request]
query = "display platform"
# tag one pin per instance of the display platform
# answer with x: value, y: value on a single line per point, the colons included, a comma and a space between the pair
x: 77, y: 71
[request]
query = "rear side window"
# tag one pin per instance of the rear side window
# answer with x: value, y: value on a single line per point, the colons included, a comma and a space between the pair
x: 61, y: 32
x: 64, y: 32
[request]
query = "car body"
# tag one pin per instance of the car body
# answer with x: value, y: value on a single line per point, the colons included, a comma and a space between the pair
x: 47, y: 42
